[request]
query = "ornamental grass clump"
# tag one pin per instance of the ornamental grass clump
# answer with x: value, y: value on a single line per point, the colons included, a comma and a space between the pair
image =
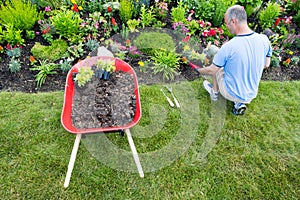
x: 52, y: 53
x: 148, y: 42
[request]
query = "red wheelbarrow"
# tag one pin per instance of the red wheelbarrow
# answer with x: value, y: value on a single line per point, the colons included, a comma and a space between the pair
x: 66, y: 116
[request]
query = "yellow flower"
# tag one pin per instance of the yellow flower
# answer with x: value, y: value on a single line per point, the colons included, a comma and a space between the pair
x: 73, y: 1
x: 79, y: 7
x: 186, y: 47
x: 291, y: 53
x: 141, y: 63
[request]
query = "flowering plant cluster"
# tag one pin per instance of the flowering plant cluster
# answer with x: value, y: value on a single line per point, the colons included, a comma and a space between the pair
x: 76, y: 7
x: 161, y: 9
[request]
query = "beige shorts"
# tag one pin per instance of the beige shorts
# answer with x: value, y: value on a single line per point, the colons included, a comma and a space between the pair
x: 222, y: 88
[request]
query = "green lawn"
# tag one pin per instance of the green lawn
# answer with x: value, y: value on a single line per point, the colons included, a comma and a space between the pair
x: 200, y: 151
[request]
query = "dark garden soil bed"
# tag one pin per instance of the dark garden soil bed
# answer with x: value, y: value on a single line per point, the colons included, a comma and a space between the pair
x: 104, y: 103
x: 24, y: 80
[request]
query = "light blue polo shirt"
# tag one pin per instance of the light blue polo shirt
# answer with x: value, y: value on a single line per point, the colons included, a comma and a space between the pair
x: 243, y: 59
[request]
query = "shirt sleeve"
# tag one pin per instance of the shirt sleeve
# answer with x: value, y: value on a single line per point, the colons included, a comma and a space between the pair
x: 221, y: 57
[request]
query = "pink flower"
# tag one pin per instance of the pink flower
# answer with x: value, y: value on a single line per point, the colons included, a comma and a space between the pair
x: 288, y: 20
x: 205, y: 33
x: 208, y: 23
x: 96, y: 25
x: 220, y: 30
x: 202, y: 23
x: 48, y: 9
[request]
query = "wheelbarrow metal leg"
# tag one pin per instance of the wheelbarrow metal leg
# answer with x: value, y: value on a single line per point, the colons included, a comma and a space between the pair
x: 134, y: 153
x: 72, y: 160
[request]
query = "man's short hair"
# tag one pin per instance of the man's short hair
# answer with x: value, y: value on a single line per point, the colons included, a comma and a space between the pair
x: 237, y: 12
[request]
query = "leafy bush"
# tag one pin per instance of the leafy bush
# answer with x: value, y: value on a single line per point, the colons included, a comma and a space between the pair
x: 67, y: 23
x: 203, y: 9
x: 23, y: 15
x: 297, y: 18
x: 126, y: 10
x: 147, y: 16
x: 178, y: 13
x: 93, y: 6
x: 52, y: 53
x: 11, y: 35
x: 166, y: 62
x: 268, y: 16
x: 137, y: 4
x: 147, y: 42
x: 251, y: 6
x: 220, y: 9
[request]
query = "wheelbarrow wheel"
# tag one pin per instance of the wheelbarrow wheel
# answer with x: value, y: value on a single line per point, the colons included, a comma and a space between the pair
x: 122, y: 133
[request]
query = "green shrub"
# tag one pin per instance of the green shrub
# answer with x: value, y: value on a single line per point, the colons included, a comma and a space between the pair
x: 178, y: 13
x: 23, y: 15
x: 165, y: 62
x: 147, y: 42
x: 126, y: 10
x: 52, y: 53
x: 11, y: 35
x: 268, y: 16
x: 251, y: 6
x: 296, y: 19
x: 147, y: 16
x: 67, y: 23
x: 220, y: 9
x: 93, y: 6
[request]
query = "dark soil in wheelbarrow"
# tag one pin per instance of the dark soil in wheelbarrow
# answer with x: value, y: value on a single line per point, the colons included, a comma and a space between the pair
x: 104, y: 103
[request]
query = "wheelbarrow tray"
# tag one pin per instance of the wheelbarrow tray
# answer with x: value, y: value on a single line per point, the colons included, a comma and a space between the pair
x: 66, y: 116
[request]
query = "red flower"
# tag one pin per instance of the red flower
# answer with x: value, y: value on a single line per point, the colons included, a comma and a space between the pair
x: 212, y: 32
x: 277, y: 21
x: 46, y: 30
x: 75, y: 8
x: 186, y: 39
x: 109, y: 9
x: 113, y: 21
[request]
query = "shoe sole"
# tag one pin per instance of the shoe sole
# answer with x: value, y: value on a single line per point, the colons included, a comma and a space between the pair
x: 239, y: 111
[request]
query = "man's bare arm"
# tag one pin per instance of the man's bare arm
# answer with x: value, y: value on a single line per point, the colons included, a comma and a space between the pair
x: 268, y: 61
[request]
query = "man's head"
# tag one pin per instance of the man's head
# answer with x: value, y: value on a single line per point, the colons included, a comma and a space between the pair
x: 235, y: 17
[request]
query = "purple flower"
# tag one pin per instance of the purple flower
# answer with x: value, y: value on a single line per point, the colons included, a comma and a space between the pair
x: 37, y: 33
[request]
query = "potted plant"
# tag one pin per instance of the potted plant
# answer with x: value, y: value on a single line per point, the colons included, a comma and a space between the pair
x: 98, y: 69
x: 83, y: 76
x: 109, y: 67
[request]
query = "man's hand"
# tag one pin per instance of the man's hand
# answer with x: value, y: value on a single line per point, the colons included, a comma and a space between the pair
x: 195, y: 67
